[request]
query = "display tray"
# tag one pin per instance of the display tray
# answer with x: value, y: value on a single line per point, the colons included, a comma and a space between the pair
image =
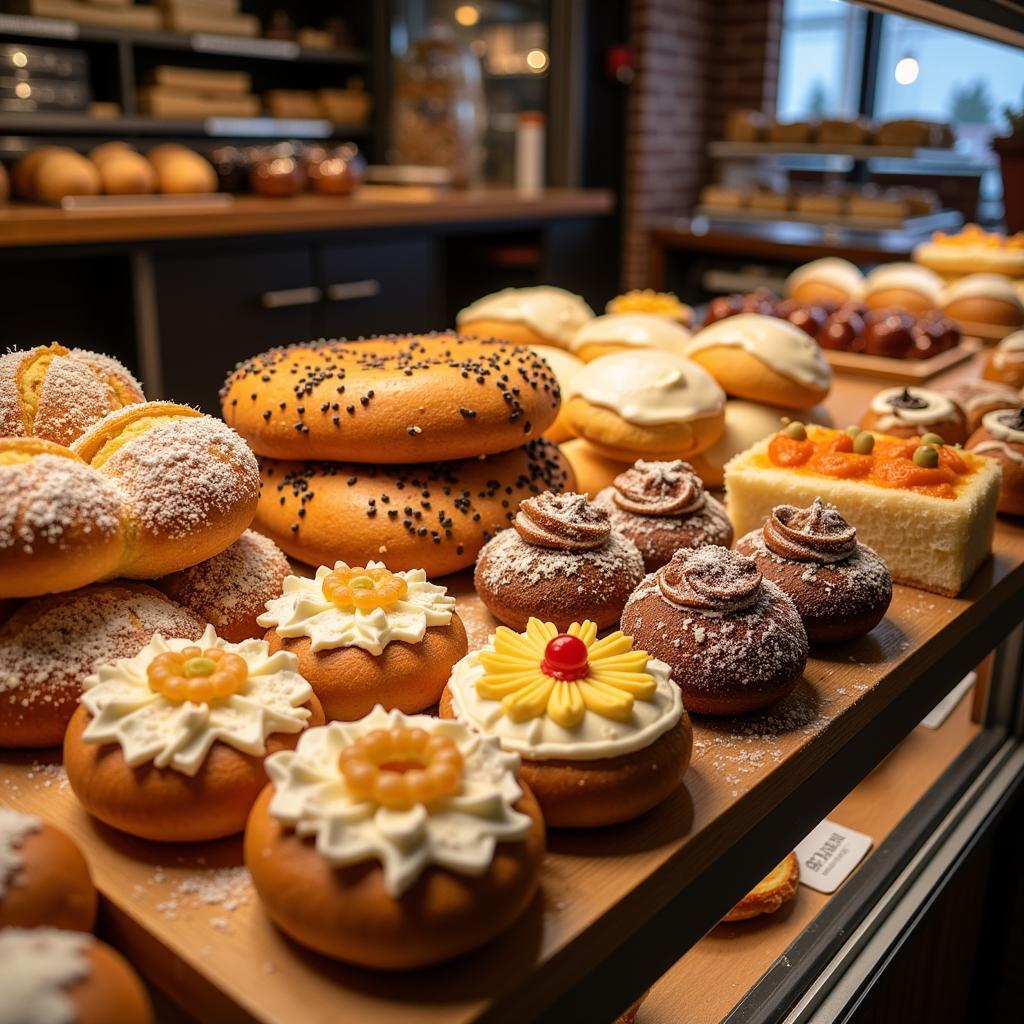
x: 187, y: 918
x: 903, y: 370
x: 925, y: 224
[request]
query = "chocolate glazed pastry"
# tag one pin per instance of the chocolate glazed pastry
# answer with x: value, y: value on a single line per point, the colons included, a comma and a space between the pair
x: 661, y: 507
x: 840, y: 587
x: 562, y: 563
x: 734, y: 641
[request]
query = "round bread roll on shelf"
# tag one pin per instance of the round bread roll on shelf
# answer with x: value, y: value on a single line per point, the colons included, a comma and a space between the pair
x: 616, y: 332
x: 664, y: 304
x: 191, y: 483
x: 763, y: 359
x: 1005, y: 362
x: 433, y: 516
x: 649, y: 404
x: 1001, y: 437
x: 44, y: 879
x: 56, y: 393
x: 123, y: 171
x: 50, y: 975
x: 391, y: 400
x: 180, y: 170
x: 826, y: 280
x: 61, y: 524
x: 49, y: 645
x: 903, y: 286
x: 53, y: 172
x: 987, y: 299
x: 908, y: 412
x: 231, y: 589
x: 592, y: 470
x: 565, y: 366
x: 978, y: 397
x: 777, y: 888
x: 24, y: 171
x: 526, y: 316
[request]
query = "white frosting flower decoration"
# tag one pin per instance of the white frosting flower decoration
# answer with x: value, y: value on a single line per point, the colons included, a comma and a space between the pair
x: 178, y: 734
x: 303, y: 609
x: 456, y: 830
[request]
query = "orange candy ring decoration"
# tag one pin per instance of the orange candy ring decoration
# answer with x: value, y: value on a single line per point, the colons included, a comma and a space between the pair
x: 196, y: 675
x: 364, y: 589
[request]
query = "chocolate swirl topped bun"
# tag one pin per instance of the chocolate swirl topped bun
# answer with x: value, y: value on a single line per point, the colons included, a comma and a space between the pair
x: 732, y: 638
x: 661, y: 507
x: 840, y: 587
x: 563, y: 562
x: 1001, y: 437
x: 907, y: 412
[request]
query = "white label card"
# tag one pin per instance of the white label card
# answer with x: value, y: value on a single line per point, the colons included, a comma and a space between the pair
x: 944, y: 708
x: 829, y: 854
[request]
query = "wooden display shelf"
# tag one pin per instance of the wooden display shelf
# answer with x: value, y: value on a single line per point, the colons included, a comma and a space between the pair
x: 756, y: 784
x: 924, y: 224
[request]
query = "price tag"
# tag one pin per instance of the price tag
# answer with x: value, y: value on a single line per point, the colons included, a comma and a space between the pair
x: 55, y: 28
x: 829, y: 854
x: 944, y: 708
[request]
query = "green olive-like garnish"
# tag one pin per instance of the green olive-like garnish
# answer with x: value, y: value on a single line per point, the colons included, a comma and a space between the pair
x: 796, y: 430
x: 853, y: 430
x: 863, y: 443
x: 926, y: 457
x: 932, y: 439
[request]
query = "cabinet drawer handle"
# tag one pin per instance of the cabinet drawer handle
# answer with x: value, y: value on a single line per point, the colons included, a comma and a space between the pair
x: 291, y: 297
x: 345, y: 290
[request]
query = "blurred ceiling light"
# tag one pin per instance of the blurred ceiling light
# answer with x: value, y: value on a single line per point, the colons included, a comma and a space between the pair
x: 19, y: 58
x: 906, y: 71
x: 467, y: 14
x: 23, y: 90
x: 537, y: 60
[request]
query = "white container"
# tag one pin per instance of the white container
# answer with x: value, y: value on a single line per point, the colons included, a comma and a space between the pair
x: 530, y: 152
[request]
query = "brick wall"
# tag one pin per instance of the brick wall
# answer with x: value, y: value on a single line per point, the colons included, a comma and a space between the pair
x: 695, y: 60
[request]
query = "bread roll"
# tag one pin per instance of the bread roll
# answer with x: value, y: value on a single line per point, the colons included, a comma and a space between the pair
x: 65, y: 173
x: 180, y: 170
x: 123, y: 172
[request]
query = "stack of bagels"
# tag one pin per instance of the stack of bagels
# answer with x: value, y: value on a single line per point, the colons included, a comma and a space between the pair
x: 413, y: 450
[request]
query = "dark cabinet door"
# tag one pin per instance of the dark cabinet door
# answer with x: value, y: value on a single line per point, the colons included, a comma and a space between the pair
x: 381, y: 287
x: 217, y: 306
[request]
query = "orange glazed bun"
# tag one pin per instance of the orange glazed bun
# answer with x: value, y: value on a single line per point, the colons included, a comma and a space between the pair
x: 775, y: 889
x: 391, y: 400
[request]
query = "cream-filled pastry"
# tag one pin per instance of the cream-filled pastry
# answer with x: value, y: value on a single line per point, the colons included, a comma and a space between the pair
x: 543, y: 315
x: 826, y: 280
x: 617, y: 331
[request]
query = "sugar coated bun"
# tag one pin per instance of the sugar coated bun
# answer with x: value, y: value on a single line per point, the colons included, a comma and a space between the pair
x: 231, y: 589
x: 826, y: 280
x: 44, y: 879
x: 763, y: 359
x: 49, y: 645
x: 394, y: 399
x: 139, y: 764
x: 904, y: 286
x: 593, y: 470
x: 1001, y: 437
x: 433, y: 516
x: 565, y: 367
x: 56, y: 393
x: 1006, y: 361
x: 123, y: 171
x: 746, y: 423
x: 777, y: 888
x: 53, y: 172
x: 646, y: 300
x: 190, y: 483
x: 646, y: 404
x: 50, y: 976
x: 978, y: 397
x: 526, y: 316
x: 182, y: 170
x: 352, y: 878
x: 908, y: 412
x: 617, y: 331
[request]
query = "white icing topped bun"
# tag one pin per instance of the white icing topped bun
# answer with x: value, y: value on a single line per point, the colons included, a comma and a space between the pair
x: 1009, y: 351
x: 649, y: 387
x: 564, y: 364
x: 837, y: 273
x: 15, y: 828
x: 151, y: 725
x: 933, y: 407
x: 998, y: 424
x: 303, y: 609
x: 623, y: 704
x: 552, y: 312
x: 780, y: 345
x: 457, y: 830
x: 982, y: 286
x: 905, y: 276
x: 631, y: 330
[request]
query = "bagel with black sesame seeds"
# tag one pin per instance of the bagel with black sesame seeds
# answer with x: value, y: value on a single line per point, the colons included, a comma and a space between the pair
x: 414, y: 398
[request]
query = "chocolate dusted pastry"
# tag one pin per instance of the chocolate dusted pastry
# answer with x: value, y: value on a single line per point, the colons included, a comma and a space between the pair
x: 840, y: 587
x: 733, y: 639
x: 661, y: 507
x: 889, y: 333
x: 562, y: 562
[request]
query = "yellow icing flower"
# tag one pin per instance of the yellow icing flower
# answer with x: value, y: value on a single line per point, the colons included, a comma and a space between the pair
x: 564, y: 675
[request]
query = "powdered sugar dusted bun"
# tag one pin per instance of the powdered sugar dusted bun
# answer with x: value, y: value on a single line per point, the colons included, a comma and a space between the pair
x: 662, y: 506
x: 543, y: 315
x: 44, y: 879
x: 983, y: 299
x: 841, y: 588
x: 651, y: 403
x: 56, y: 393
x: 907, y: 412
x: 565, y: 366
x: 231, y: 589
x: 49, y: 976
x: 826, y: 280
x: 1006, y: 361
x: 978, y: 397
x: 734, y: 641
x: 616, y: 331
x: 904, y: 286
x: 49, y: 646
x: 1001, y: 437
x: 61, y: 523
x: 562, y: 563
x: 764, y: 359
x: 191, y: 483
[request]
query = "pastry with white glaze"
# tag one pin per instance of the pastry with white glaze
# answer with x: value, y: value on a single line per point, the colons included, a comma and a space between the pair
x: 615, y: 332
x: 909, y: 412
x: 1001, y: 437
x: 1005, y: 362
x: 542, y: 315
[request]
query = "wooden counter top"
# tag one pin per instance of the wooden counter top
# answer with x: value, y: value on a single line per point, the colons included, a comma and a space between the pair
x: 24, y: 224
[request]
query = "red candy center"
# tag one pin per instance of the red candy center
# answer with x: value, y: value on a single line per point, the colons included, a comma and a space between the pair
x: 565, y: 658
